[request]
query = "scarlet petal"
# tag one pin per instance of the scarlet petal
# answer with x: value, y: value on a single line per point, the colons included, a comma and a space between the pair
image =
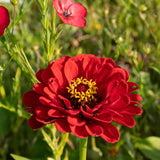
x: 70, y: 70
x: 62, y: 125
x: 80, y: 132
x: 78, y: 10
x: 103, y: 73
x: 75, y: 121
x: 122, y: 102
x: 39, y: 74
x: 86, y: 110
x: 57, y: 69
x: 53, y: 84
x: 90, y: 66
x: 29, y: 110
x: 4, y: 20
x: 45, y: 121
x: 73, y: 112
x: 66, y: 102
x: 47, y: 74
x: 34, y: 124
x: 41, y: 112
x: 127, y: 74
x: 119, y: 89
x: 66, y: 3
x: 57, y: 6
x: 119, y: 73
x: 88, y: 60
x: 44, y: 90
x: 93, y: 129
x: 39, y: 88
x: 75, y: 21
x: 130, y: 87
x: 105, y: 117
x: 135, y: 97
x: 86, y: 114
x: 112, y: 81
x: 110, y: 133
x: 56, y: 114
x: 44, y: 100
x: 125, y: 120
x: 105, y: 61
x: 31, y: 99
x: 132, y: 110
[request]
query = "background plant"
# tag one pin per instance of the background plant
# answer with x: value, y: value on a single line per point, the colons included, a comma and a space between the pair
x: 127, y: 31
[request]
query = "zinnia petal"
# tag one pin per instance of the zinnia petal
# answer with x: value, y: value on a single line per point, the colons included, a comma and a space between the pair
x: 62, y: 125
x: 57, y: 69
x: 42, y: 89
x: 110, y: 133
x: 75, y: 121
x: 118, y: 89
x: 135, y: 97
x: 132, y: 110
x: 31, y: 99
x: 46, y: 74
x: 125, y: 120
x: 80, y: 132
x: 70, y: 70
x: 42, y: 112
x: 55, y: 113
x: 130, y: 87
x: 39, y: 75
x: 34, y: 124
x: 93, y: 129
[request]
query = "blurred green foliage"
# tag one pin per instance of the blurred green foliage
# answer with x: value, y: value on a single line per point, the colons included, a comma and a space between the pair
x: 124, y: 30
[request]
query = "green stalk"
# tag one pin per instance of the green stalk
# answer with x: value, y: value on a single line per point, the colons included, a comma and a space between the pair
x: 83, y: 148
x: 14, y: 17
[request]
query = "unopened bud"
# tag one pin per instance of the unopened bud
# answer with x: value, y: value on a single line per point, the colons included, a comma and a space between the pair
x: 14, y: 2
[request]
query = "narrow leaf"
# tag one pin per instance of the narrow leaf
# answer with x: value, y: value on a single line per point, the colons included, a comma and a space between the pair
x: 16, y: 157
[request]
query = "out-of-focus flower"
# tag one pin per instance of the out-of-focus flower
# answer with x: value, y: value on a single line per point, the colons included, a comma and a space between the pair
x: 83, y: 95
x: 71, y: 13
x: 112, y: 151
x: 4, y: 19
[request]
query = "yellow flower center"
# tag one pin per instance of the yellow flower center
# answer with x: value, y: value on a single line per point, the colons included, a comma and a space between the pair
x: 82, y: 89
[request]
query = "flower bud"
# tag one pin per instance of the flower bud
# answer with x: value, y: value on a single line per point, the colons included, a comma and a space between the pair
x: 14, y: 2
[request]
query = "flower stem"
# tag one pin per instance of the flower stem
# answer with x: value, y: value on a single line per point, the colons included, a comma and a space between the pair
x: 83, y: 148
x: 14, y: 17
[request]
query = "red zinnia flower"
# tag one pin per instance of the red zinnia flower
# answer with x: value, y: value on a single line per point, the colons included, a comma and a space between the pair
x: 71, y: 13
x: 83, y: 95
x: 4, y: 19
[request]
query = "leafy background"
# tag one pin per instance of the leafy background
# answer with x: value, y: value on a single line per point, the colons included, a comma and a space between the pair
x: 124, y: 30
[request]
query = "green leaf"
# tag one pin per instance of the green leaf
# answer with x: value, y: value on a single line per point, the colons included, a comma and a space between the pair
x: 16, y: 157
x: 150, y: 147
x: 63, y: 143
x: 129, y: 146
x: 48, y: 140
x: 5, y: 121
x: 155, y: 68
